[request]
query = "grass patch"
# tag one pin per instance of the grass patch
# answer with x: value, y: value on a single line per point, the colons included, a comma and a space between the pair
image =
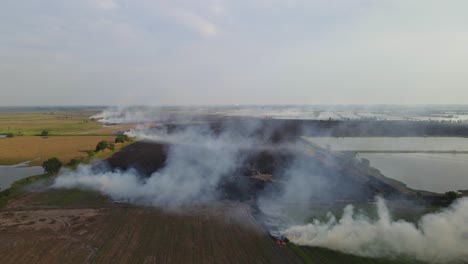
x: 51, y: 197
x: 68, y: 198
x: 17, y: 188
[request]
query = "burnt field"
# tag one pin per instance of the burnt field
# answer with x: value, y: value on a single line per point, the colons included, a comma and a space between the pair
x: 289, y: 129
x: 115, y: 234
x: 263, y: 171
x: 192, y: 195
x: 105, y: 232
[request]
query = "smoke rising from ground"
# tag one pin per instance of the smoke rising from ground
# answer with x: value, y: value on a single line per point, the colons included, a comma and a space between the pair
x: 194, y: 168
x: 147, y: 114
x: 199, y: 160
x: 439, y: 237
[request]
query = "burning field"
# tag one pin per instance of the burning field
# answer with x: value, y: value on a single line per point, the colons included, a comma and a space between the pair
x: 219, y: 234
x: 236, y: 191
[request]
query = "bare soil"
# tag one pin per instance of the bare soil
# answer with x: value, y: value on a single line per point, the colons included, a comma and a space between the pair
x: 222, y: 233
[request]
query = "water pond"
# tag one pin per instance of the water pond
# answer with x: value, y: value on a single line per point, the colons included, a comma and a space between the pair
x: 392, y: 143
x: 437, y: 172
x: 10, y: 174
x: 422, y: 171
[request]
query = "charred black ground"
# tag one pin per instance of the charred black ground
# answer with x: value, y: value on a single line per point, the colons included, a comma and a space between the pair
x: 263, y: 165
x: 279, y: 129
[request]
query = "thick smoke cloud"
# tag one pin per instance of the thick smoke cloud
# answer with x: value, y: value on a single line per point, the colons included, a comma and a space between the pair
x: 194, y: 168
x: 199, y: 160
x: 439, y: 237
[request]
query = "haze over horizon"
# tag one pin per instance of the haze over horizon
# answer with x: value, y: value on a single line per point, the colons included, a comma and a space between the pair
x: 212, y: 52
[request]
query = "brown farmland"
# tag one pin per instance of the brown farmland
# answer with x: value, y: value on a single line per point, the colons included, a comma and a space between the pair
x: 38, y: 149
x: 224, y: 233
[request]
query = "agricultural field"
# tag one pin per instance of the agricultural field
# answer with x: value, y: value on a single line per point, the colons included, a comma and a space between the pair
x: 70, y: 135
x: 56, y: 123
x: 44, y: 225
x: 39, y: 149
x: 104, y: 232
x: 77, y: 226
x: 32, y: 123
x: 74, y: 226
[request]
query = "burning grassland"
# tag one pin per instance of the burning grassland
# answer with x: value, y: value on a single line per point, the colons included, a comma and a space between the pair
x: 175, y: 167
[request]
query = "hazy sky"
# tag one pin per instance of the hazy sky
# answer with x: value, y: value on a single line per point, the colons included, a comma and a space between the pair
x: 233, y: 52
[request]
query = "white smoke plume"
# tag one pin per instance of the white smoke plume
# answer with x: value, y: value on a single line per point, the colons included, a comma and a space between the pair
x: 199, y: 160
x: 196, y: 164
x: 438, y: 237
x: 124, y: 116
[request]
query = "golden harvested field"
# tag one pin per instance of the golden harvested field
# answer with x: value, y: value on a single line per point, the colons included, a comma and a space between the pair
x: 71, y: 134
x: 26, y: 148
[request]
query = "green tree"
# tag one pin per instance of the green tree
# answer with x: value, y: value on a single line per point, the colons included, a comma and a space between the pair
x: 121, y: 139
x: 52, y: 165
x: 74, y: 162
x: 44, y: 133
x: 102, y: 145
x: 452, y: 195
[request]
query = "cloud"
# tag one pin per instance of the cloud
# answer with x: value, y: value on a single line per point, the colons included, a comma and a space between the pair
x: 260, y: 51
x: 106, y: 4
x: 195, y: 22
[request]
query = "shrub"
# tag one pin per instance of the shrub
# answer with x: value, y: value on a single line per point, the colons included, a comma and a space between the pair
x: 90, y: 153
x: 74, y: 162
x: 44, y: 133
x: 452, y: 195
x: 102, y: 145
x: 122, y: 139
x: 52, y: 165
x: 9, y: 135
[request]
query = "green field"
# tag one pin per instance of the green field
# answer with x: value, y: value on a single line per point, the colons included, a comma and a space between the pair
x: 32, y: 123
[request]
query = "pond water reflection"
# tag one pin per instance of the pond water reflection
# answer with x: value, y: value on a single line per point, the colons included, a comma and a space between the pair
x: 10, y: 174
x: 437, y: 172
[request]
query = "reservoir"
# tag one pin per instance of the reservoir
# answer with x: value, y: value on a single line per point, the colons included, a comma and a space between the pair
x: 392, y: 143
x: 10, y: 174
x: 431, y: 172
x: 422, y: 163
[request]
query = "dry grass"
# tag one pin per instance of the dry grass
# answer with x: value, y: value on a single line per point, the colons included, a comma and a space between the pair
x: 71, y: 134
x: 25, y: 148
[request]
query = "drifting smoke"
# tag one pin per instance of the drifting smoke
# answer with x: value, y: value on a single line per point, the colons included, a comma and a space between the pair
x: 439, y: 237
x: 199, y: 160
x: 124, y: 116
x: 194, y: 168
